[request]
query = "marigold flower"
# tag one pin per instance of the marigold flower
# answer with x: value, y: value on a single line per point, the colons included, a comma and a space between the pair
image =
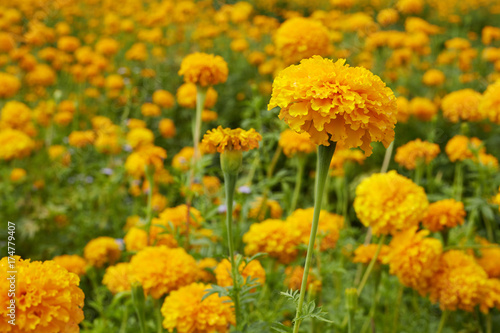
x: 294, y: 143
x: 410, y: 6
x: 148, y: 155
x: 387, y: 16
x: 163, y: 98
x: 48, y: 298
x: 443, y: 214
x: 365, y: 253
x: 186, y: 96
x: 150, y: 110
x: 220, y: 139
x: 433, y: 77
x: 323, y: 98
x: 423, y: 108
x: 208, y: 116
x: 177, y: 217
x: 490, y: 295
x: 488, y: 160
x: 416, y: 151
x: 459, y: 282
x: 204, y: 69
x: 167, y: 128
x: 161, y: 270
x: 294, y: 275
x: 403, y: 109
x: 118, y: 278
x: 17, y: 175
x: 72, y: 263
x: 274, y: 237
x: 9, y: 85
x: 107, y: 46
x: 490, y: 102
x: 182, y: 160
x: 140, y: 137
x: 259, y: 212
x: 68, y: 43
x: 254, y: 270
x: 341, y: 157
x: 185, y: 312
x: 102, y: 250
x: 489, y: 258
x: 299, y: 38
x: 413, y: 258
x: 15, y: 144
x: 462, y: 105
x: 41, y: 75
x: 460, y: 148
x: 389, y: 202
x: 206, y: 267
x: 81, y: 139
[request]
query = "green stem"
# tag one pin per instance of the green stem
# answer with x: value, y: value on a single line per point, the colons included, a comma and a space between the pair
x: 370, y: 266
x: 396, y: 309
x: 301, y: 161
x: 419, y: 171
x: 157, y: 309
x: 201, y: 94
x: 230, y: 185
x: 489, y: 327
x: 444, y: 317
x: 387, y: 158
x: 138, y: 303
x: 149, y: 210
x: 345, y: 203
x: 325, y: 154
x: 458, y: 183
x: 430, y: 179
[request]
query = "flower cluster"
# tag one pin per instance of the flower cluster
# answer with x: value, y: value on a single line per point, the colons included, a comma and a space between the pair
x: 443, y: 214
x: 204, y: 69
x: 221, y: 139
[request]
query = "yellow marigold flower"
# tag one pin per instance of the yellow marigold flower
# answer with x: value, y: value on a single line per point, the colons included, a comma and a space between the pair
x: 294, y: 275
x: 163, y: 98
x: 323, y: 98
x: 489, y: 258
x: 68, y: 43
x: 254, y: 270
x: 118, y: 278
x: 9, y: 85
x: 403, y: 109
x: 433, y: 77
x: 204, y: 69
x: 416, y: 151
x: 387, y: 16
x: 365, y: 253
x: 490, y: 34
x: 259, y: 212
x: 136, y: 239
x: 206, y: 267
x: 185, y: 312
x: 462, y: 105
x: 443, y: 214
x: 59, y: 153
x: 410, y: 6
x: 459, y: 282
x: 102, y: 250
x: 150, y: 110
x: 137, y: 51
x: 457, y: 43
x: 41, y: 75
x: 423, y: 108
x: 15, y: 144
x: 182, y: 160
x: 72, y: 263
x: 488, y: 160
x: 178, y: 217
x: 114, y: 82
x: 299, y: 38
x: 167, y: 128
x: 414, y: 259
x: 490, y: 103
x: 295, y: 143
x: 138, y: 137
x: 147, y: 155
x: 460, y: 148
x: 342, y: 156
x: 300, y: 221
x: 490, y: 295
x: 208, y: 116
x: 221, y: 139
x: 186, y: 96
x: 389, y: 202
x: 17, y: 175
x: 107, y: 46
x: 274, y: 237
x: 48, y: 298
x: 81, y: 139
x: 161, y: 270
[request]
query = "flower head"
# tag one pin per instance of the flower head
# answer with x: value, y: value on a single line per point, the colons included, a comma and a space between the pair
x: 294, y: 275
x: 73, y: 263
x: 489, y: 258
x: 389, y: 202
x: 334, y: 102
x: 118, y: 278
x: 365, y: 253
x: 416, y: 151
x: 444, y: 214
x: 184, y: 311
x: 15, y: 144
x: 295, y: 143
x: 253, y: 269
x: 204, y: 69
x: 490, y: 102
x: 460, y: 148
x: 221, y: 139
x: 102, y: 250
x: 462, y: 105
x: 161, y: 270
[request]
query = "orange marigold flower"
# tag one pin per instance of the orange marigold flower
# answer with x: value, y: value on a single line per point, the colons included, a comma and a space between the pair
x: 389, y: 202
x: 17, y: 175
x: 299, y: 38
x: 204, y: 69
x: 459, y: 282
x: 387, y: 16
x: 416, y: 151
x: 186, y: 96
x: 182, y: 160
x: 365, y: 253
x: 161, y: 270
x: 294, y: 275
x: 274, y: 237
x: 334, y: 102
x: 184, y: 311
x: 102, y: 250
x: 423, y: 108
x: 9, y: 85
x: 150, y: 110
x: 414, y: 259
x: 462, y: 105
x: 139, y: 136
x: 177, y: 217
x: 253, y: 269
x: 490, y: 295
x: 163, y: 98
x: 15, y: 144
x: 489, y: 258
x: 341, y: 157
x: 81, y: 139
x: 118, y: 278
x: 48, y: 298
x: 490, y: 102
x: 488, y: 160
x: 220, y: 139
x: 403, y: 109
x: 72, y: 263
x: 443, y: 214
x: 148, y: 155
x: 259, y: 212
x: 433, y: 77
x: 206, y: 268
x: 167, y: 128
x: 295, y: 143
x: 460, y: 148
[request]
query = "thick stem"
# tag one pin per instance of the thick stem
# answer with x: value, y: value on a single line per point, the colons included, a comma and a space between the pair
x: 444, y: 316
x: 370, y: 266
x: 301, y: 161
x: 230, y: 185
x: 395, y: 321
x: 157, y: 309
x: 387, y: 158
x: 325, y: 154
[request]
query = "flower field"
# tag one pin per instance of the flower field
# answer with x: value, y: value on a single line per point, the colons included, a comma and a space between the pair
x: 263, y: 166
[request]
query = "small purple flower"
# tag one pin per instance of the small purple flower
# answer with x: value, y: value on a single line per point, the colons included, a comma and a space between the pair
x: 107, y: 171
x: 245, y: 189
